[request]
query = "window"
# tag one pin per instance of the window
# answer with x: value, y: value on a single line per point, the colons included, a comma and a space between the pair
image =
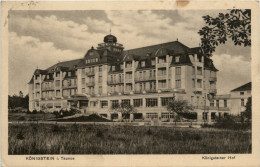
x: 153, y: 62
x: 128, y: 64
x: 57, y: 74
x: 167, y: 115
x: 152, y: 102
x: 225, y: 103
x: 48, y: 76
x: 57, y: 83
x: 83, y: 81
x: 162, y: 59
x: 162, y: 71
x: 242, y: 102
x: 138, y: 102
x: 199, y: 82
x: 37, y: 77
x: 199, y: 70
x: 193, y: 70
x: 100, y: 79
x: 178, y: 83
x: 162, y: 83
x: 100, y: 68
x: 129, y: 75
x: 100, y: 89
x: 177, y: 59
x: 178, y: 71
x: 114, y: 103
x: 113, y: 68
x: 152, y: 85
x: 142, y: 63
x: 128, y: 87
x: 212, y: 103
x: 104, y: 104
x: 69, y: 74
x: 217, y: 103
x: 165, y: 100
x: 57, y: 92
x: 83, y: 70
x: 242, y: 93
x: 151, y: 115
x: 126, y: 102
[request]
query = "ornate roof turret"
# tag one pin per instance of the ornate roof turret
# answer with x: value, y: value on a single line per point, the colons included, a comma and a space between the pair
x: 110, y: 39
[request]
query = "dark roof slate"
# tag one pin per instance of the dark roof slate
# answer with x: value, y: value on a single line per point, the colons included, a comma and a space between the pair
x: 244, y: 87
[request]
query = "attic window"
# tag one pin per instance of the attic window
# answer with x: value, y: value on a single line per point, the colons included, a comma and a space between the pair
x: 153, y: 62
x: 177, y: 59
x: 113, y: 68
x: 142, y: 63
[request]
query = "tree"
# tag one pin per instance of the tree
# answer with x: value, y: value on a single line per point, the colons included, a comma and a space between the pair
x: 124, y: 108
x: 181, y: 108
x: 236, y: 25
x: 21, y: 94
x: 248, y: 111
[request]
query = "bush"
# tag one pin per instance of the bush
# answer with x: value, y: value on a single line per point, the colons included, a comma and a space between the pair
x: 99, y: 134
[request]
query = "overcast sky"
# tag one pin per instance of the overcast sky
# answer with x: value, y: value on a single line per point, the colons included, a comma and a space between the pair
x: 42, y: 38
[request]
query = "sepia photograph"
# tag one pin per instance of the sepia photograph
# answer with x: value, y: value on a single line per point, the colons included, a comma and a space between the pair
x: 129, y: 82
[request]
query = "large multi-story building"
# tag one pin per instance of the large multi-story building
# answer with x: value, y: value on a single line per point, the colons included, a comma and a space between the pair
x: 146, y: 78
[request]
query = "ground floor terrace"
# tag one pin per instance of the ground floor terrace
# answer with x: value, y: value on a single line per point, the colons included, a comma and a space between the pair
x: 146, y: 106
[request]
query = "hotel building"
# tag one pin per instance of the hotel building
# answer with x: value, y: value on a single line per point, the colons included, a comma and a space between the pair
x: 146, y: 78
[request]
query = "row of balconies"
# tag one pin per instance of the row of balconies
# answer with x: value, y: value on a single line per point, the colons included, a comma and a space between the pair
x: 211, y: 108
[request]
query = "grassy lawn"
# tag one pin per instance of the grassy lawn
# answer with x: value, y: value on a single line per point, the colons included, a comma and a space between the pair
x: 101, y: 139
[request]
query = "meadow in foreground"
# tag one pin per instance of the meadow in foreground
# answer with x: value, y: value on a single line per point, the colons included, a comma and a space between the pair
x: 102, y: 139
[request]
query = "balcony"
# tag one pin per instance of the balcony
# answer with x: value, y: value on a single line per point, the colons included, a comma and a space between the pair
x: 161, y: 64
x: 213, y: 91
x: 128, y: 80
x: 213, y: 79
x: 206, y: 108
x: 48, y: 88
x: 161, y: 77
x: 128, y: 68
x: 90, y: 73
x: 139, y: 79
x: 69, y: 86
x: 90, y: 84
x: 197, y: 90
x: 115, y: 82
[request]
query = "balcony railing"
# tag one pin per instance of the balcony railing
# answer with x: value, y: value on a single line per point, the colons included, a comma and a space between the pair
x: 115, y: 81
x: 69, y: 86
x: 90, y: 73
x: 48, y: 88
x: 128, y: 68
x: 211, y: 108
x: 160, y: 77
x: 127, y: 80
x: 212, y: 78
x: 212, y: 90
x: 90, y: 84
x: 145, y: 78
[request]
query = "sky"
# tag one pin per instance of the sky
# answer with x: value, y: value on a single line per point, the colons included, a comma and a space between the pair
x: 39, y: 39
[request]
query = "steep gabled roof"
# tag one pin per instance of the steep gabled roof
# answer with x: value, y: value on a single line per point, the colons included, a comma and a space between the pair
x: 175, y: 46
x: 69, y: 65
x: 245, y: 87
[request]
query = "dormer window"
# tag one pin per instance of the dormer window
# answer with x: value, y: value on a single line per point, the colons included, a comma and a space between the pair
x: 36, y: 77
x: 177, y: 59
x: 48, y: 76
x: 57, y: 74
x: 113, y: 68
x: 143, y: 64
x: 129, y: 64
x: 153, y: 62
x: 69, y: 74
